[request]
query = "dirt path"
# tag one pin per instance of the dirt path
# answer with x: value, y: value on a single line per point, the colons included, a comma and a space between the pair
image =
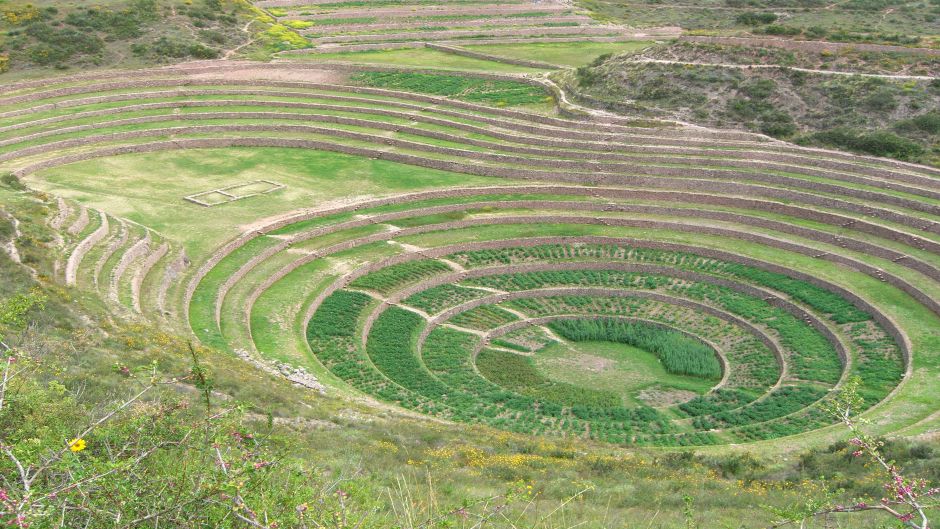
x: 245, y: 29
x: 564, y: 102
x: 11, y: 245
x: 774, y: 66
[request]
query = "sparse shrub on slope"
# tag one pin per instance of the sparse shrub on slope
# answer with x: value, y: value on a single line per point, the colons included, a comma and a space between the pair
x: 880, y: 116
x: 64, y: 35
x: 878, y: 143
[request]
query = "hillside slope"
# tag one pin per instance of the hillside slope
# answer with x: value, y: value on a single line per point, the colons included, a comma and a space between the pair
x: 40, y: 36
x: 889, y: 109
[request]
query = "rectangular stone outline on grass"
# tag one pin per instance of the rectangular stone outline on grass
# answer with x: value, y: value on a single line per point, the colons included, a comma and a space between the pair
x: 230, y: 197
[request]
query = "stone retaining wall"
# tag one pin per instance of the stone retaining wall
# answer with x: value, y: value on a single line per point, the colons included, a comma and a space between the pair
x: 464, y: 52
x: 771, y: 344
x: 457, y: 34
x: 493, y: 146
x: 137, y: 251
x: 118, y: 241
x: 601, y: 292
x: 141, y: 274
x: 665, y: 178
x: 857, y: 245
x: 210, y: 67
x: 78, y: 254
x: 503, y: 22
x: 887, y: 324
x: 634, y: 135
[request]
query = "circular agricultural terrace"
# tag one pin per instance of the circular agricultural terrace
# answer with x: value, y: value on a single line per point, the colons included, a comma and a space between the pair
x: 731, y: 281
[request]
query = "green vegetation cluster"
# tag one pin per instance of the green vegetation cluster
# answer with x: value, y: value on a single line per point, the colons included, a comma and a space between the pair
x: 442, y: 378
x: 63, y: 35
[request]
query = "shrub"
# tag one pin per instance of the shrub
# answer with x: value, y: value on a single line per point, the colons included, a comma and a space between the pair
x: 928, y: 123
x: 10, y: 180
x: 177, y: 49
x: 759, y: 88
x: 878, y: 143
x: 298, y: 24
x: 756, y: 19
x: 778, y: 124
x: 281, y: 38
x: 881, y: 100
x: 777, y: 29
x: 59, y: 45
x: 586, y: 76
x: 816, y: 32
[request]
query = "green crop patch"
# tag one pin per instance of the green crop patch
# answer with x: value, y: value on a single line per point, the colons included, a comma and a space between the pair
x: 499, y: 93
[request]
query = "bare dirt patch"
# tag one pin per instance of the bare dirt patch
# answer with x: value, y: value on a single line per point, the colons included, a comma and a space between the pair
x: 586, y: 362
x: 252, y: 73
x: 665, y: 397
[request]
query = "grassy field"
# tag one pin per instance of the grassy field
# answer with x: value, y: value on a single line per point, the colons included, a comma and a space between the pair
x: 561, y: 53
x: 126, y: 186
x: 420, y: 58
x: 623, y: 369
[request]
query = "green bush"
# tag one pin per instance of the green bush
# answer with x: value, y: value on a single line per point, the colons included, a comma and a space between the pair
x: 759, y: 88
x: 925, y: 123
x: 777, y: 29
x: 178, y: 49
x: 881, y: 100
x: 59, y: 45
x: 751, y: 18
x: 878, y: 143
x: 118, y: 25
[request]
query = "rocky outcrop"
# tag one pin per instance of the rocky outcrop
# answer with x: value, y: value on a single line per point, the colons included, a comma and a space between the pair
x: 296, y: 375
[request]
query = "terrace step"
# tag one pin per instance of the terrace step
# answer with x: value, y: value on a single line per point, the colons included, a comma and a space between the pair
x: 83, y: 247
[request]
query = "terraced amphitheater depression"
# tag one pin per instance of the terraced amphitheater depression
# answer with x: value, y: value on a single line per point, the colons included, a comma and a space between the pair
x: 413, y: 212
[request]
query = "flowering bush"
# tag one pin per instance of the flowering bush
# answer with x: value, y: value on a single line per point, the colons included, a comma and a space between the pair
x: 908, y: 500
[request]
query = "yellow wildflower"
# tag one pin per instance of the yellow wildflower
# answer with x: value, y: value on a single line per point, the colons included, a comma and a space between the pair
x: 77, y: 445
